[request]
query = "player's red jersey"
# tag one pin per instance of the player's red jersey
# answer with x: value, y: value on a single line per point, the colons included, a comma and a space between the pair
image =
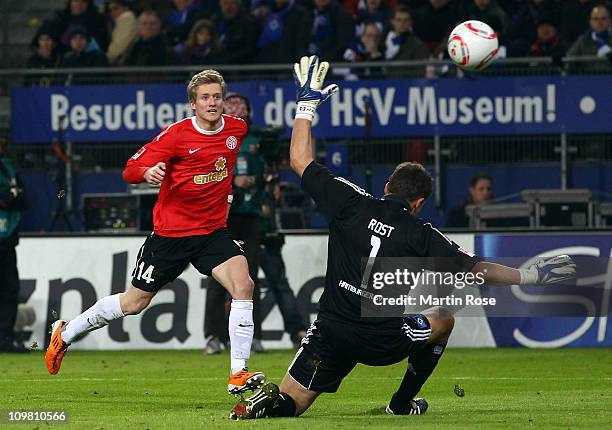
x: 199, y: 167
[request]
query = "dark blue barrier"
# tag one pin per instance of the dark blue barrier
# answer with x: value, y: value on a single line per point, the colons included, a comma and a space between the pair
x: 421, y: 107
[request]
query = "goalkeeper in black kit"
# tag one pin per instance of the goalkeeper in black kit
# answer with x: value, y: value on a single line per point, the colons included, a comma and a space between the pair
x: 361, y: 226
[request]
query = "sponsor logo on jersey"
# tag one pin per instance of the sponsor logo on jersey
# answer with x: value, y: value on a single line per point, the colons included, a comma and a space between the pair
x: 139, y: 153
x: 231, y: 142
x: 220, y: 174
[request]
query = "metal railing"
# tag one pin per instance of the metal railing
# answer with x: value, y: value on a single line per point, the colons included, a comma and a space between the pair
x: 430, y: 68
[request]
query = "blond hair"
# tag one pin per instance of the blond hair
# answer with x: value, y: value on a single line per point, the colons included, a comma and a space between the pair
x: 208, y: 76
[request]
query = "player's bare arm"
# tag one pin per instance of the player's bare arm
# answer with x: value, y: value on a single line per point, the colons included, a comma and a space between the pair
x: 310, y: 76
x: 300, y: 151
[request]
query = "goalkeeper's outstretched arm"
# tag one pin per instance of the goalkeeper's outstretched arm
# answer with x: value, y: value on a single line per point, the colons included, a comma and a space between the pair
x: 300, y: 151
x: 545, y: 272
x: 309, y: 77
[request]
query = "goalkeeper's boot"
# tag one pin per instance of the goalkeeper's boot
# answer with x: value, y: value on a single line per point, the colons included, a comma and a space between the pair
x: 243, y: 380
x: 416, y: 406
x: 57, y: 347
x: 258, y: 405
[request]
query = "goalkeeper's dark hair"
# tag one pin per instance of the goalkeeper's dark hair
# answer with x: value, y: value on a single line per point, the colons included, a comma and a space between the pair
x: 410, y: 181
x: 208, y: 76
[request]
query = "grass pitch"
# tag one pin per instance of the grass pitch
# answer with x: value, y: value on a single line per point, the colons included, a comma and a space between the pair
x: 504, y: 388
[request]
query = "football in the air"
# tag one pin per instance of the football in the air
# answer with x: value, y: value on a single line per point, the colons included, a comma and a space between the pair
x: 472, y: 45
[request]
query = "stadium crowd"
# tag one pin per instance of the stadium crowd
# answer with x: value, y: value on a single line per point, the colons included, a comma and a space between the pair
x: 98, y: 33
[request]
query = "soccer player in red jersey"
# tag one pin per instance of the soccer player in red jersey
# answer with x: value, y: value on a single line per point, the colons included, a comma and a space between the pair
x: 193, y: 160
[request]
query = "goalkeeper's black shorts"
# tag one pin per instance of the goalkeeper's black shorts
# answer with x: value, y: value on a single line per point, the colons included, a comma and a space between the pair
x: 331, y: 349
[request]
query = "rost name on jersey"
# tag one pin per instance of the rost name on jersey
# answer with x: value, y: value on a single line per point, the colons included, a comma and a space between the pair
x: 380, y: 228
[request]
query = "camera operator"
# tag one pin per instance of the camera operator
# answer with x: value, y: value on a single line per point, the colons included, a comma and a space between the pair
x: 243, y: 223
x: 273, y: 266
x: 12, y: 202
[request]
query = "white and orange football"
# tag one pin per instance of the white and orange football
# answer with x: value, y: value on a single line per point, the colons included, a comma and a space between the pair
x: 472, y: 45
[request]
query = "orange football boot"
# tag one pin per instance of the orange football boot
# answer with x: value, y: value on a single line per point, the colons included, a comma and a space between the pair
x: 57, y: 348
x: 244, y: 380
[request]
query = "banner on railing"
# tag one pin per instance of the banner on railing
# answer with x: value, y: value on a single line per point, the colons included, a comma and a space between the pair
x: 420, y: 107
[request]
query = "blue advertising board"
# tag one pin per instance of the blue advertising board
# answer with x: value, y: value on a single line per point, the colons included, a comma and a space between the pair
x: 594, y: 274
x: 419, y: 107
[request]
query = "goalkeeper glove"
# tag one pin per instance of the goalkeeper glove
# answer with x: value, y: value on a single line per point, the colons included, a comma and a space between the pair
x: 309, y: 76
x: 549, y: 271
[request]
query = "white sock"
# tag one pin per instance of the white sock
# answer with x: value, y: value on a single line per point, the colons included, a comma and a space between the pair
x: 99, y: 315
x: 241, y: 331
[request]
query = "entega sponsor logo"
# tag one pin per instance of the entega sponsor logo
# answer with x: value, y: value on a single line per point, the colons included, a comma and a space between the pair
x: 217, y: 176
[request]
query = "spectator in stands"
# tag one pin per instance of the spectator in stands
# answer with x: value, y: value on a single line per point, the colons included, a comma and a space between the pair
x: 367, y: 47
x: 522, y: 31
x: 202, y: 46
x: 490, y: 12
x: 575, y: 18
x: 77, y: 13
x: 151, y: 48
x: 163, y: 7
x: 284, y: 37
x: 479, y: 192
x: 598, y: 39
x: 401, y: 43
x: 238, y: 33
x: 180, y: 21
x: 44, y: 54
x: 372, y: 11
x: 434, y: 21
x: 124, y: 30
x: 332, y: 30
x: 82, y: 54
x: 548, y: 42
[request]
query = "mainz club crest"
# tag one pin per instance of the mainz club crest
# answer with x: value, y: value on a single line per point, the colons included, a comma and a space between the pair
x: 231, y: 142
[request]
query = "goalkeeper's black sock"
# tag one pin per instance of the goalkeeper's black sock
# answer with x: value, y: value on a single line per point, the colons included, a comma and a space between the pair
x: 421, y: 366
x: 284, y: 406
